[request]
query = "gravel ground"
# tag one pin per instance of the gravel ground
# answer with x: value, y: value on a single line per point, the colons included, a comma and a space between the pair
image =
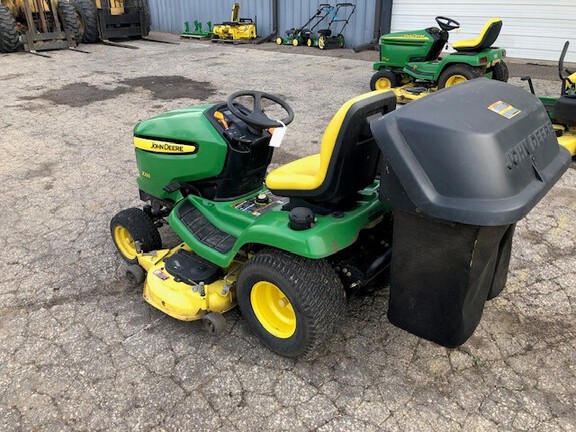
x: 81, y: 350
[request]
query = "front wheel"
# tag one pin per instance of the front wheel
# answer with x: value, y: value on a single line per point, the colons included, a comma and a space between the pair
x: 322, y: 42
x: 383, y: 80
x: 279, y: 41
x: 130, y: 226
x: 71, y: 20
x: 458, y: 74
x: 9, y: 33
x: 341, y: 41
x: 292, y: 304
x: 500, y: 72
x: 87, y: 13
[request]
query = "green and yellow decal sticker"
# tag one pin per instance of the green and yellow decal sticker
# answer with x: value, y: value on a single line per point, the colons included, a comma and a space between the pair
x: 407, y: 36
x: 504, y: 109
x: 156, y: 146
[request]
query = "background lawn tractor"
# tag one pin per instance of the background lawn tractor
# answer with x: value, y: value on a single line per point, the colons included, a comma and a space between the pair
x: 411, y: 60
x: 325, y: 38
x: 300, y: 36
x: 562, y: 110
x: 420, y: 191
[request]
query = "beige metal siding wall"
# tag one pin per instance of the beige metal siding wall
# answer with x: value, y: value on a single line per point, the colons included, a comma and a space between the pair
x: 532, y: 29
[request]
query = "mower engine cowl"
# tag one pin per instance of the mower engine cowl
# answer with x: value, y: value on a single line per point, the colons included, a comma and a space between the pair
x: 460, y: 167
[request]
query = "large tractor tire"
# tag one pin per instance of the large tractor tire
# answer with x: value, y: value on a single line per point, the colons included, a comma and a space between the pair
x: 9, y: 33
x: 130, y: 226
x: 142, y: 4
x: 500, y: 72
x: 87, y: 12
x: 70, y: 20
x: 457, y: 74
x: 292, y: 304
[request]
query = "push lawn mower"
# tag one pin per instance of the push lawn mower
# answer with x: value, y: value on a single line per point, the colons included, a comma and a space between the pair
x: 324, y: 38
x: 413, y: 57
x: 299, y: 36
x: 287, y: 252
x: 562, y: 110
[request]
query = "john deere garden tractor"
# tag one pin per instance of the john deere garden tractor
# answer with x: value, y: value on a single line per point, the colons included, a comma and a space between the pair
x: 421, y: 192
x: 103, y: 20
x: 411, y: 59
x: 38, y: 25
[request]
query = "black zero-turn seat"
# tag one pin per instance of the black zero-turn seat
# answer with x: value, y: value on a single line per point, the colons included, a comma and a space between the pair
x: 348, y: 157
x: 485, y: 39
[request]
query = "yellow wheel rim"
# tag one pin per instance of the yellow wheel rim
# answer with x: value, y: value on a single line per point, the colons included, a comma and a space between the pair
x: 383, y: 84
x: 321, y: 43
x: 279, y: 41
x: 455, y: 79
x: 309, y: 42
x: 125, y: 242
x: 295, y: 42
x: 273, y: 309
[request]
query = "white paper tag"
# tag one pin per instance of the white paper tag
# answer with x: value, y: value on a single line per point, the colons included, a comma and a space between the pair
x: 278, y: 135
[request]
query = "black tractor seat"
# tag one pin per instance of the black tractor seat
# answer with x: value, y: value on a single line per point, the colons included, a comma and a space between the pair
x: 347, y: 161
x: 485, y: 39
x: 564, y: 110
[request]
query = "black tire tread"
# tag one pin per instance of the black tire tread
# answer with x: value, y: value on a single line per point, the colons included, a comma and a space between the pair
x: 9, y: 33
x: 500, y: 72
x: 140, y: 227
x: 70, y: 20
x: 319, y: 288
x: 381, y: 74
x: 145, y: 6
x: 470, y: 72
x: 89, y: 13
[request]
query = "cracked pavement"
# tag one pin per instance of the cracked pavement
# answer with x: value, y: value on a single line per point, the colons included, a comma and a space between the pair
x: 81, y: 350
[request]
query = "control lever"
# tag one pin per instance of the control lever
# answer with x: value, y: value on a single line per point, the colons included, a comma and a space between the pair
x: 527, y: 78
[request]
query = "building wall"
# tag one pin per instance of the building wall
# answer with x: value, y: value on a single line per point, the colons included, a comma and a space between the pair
x: 531, y: 29
x: 170, y: 15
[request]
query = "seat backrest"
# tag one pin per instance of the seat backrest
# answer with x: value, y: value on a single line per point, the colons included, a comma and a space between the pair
x: 349, y: 155
x: 486, y: 39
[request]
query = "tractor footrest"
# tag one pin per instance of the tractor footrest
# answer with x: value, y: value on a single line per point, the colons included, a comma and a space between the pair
x: 203, y: 230
x: 188, y: 267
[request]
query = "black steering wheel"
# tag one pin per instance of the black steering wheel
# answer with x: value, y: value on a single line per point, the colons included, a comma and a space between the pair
x: 447, y: 24
x: 256, y: 118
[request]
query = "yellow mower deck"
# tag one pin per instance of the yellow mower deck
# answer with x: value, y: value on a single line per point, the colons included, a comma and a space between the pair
x: 403, y: 95
x: 179, y: 299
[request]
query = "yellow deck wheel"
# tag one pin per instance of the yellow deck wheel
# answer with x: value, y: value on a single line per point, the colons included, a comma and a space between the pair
x: 455, y: 79
x: 125, y: 242
x: 279, y: 41
x: 295, y: 42
x: 273, y: 309
x: 309, y: 42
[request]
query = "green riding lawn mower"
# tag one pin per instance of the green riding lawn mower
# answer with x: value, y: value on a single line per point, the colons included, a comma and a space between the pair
x: 419, y: 193
x: 410, y: 64
x: 562, y: 110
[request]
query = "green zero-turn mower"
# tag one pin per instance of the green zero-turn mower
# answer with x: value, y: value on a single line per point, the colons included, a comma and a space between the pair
x: 421, y: 191
x: 300, y: 36
x: 562, y: 110
x: 413, y: 57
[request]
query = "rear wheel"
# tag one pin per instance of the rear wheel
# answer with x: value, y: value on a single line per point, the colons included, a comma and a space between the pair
x: 9, y: 33
x: 292, y: 304
x: 70, y: 20
x: 295, y: 42
x: 322, y: 42
x: 309, y: 42
x: 341, y: 41
x: 500, y: 72
x: 88, y: 16
x: 130, y: 226
x: 458, y: 74
x: 279, y: 41
x: 383, y: 80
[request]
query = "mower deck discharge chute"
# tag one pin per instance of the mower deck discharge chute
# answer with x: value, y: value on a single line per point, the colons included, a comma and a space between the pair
x: 447, y: 197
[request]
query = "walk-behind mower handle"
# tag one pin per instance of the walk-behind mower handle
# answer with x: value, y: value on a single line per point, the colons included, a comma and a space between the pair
x: 562, y: 72
x: 447, y: 24
x: 256, y: 118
